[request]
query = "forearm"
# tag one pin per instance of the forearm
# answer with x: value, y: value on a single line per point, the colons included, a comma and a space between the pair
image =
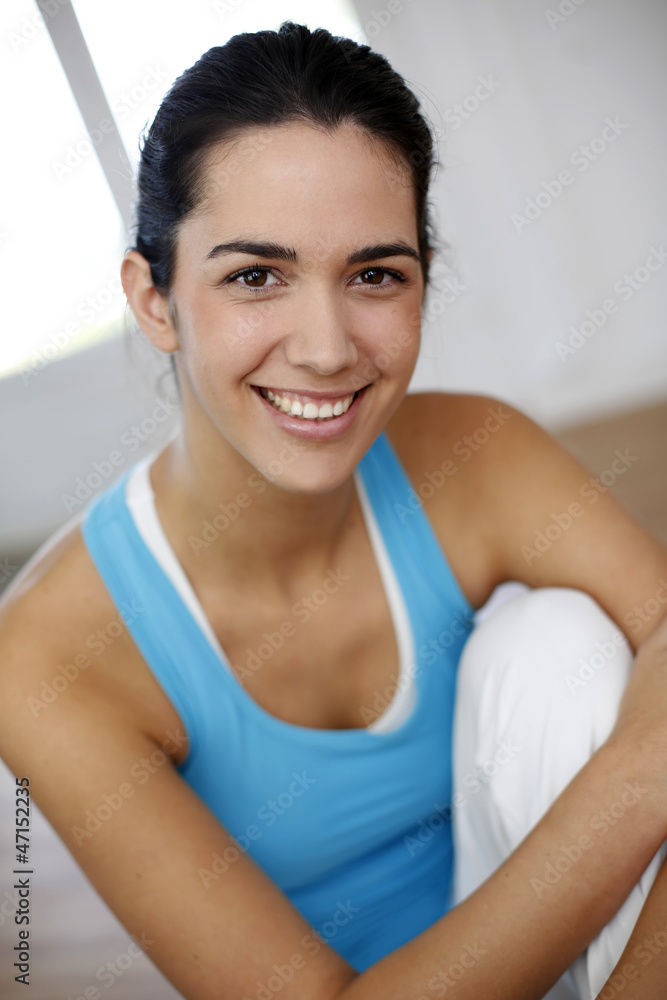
x: 641, y: 971
x: 527, y: 923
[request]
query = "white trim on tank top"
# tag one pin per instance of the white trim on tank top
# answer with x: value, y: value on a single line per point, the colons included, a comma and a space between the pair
x: 141, y: 503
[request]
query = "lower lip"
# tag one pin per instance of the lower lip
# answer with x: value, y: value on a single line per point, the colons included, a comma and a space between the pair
x: 313, y: 430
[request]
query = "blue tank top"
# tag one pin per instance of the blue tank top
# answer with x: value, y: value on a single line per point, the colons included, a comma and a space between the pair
x: 353, y: 825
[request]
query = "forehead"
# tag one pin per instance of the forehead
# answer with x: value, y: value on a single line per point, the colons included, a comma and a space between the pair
x: 303, y: 186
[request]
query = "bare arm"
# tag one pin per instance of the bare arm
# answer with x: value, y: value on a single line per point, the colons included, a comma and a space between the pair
x: 641, y: 971
x: 519, y: 931
x: 219, y: 938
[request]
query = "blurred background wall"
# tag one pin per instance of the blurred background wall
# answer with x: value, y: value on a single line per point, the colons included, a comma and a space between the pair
x: 551, y: 135
x: 552, y: 195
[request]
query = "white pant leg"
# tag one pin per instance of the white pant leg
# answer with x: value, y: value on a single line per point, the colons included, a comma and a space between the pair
x: 540, y: 681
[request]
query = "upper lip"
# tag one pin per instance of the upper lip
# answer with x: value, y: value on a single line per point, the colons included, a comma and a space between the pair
x: 313, y: 393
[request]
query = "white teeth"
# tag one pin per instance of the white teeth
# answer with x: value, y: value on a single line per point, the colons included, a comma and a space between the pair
x: 307, y: 411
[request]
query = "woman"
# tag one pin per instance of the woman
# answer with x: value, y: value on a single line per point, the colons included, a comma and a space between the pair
x: 227, y: 762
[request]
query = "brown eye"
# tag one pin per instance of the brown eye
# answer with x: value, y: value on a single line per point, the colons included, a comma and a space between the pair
x: 254, y: 279
x: 376, y: 275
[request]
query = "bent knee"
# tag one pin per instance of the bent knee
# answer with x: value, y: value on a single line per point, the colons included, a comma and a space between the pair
x: 546, y: 670
x: 550, y: 638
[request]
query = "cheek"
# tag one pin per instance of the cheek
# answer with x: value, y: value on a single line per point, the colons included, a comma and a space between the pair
x: 226, y: 342
x: 248, y: 330
x: 392, y: 341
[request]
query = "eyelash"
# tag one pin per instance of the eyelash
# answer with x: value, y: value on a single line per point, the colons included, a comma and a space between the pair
x: 269, y: 270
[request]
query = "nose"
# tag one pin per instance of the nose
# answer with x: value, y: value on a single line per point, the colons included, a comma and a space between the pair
x: 321, y: 336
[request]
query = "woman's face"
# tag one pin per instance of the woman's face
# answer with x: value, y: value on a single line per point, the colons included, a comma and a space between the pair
x: 329, y: 302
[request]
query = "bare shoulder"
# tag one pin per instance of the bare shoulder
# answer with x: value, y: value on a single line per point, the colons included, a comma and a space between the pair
x: 62, y: 637
x: 462, y: 452
x: 442, y: 420
x: 514, y: 504
x: 113, y: 796
x: 46, y: 605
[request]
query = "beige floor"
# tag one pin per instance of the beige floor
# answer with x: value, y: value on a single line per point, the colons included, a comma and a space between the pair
x: 73, y: 931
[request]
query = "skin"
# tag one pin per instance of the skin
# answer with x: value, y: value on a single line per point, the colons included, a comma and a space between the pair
x: 641, y: 971
x: 315, y: 327
x: 320, y: 327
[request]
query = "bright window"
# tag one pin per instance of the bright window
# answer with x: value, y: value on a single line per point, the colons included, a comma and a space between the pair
x: 61, y: 236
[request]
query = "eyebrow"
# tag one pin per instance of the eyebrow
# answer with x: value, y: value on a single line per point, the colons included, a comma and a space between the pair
x: 276, y: 251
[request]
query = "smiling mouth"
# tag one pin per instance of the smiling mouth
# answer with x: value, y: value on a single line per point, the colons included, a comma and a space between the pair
x: 306, y: 409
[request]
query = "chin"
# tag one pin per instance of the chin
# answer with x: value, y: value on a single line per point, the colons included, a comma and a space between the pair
x: 301, y: 470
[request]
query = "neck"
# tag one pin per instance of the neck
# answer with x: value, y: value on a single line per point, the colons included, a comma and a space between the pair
x: 226, y: 521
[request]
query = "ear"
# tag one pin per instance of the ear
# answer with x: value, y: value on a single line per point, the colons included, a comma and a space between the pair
x: 150, y: 307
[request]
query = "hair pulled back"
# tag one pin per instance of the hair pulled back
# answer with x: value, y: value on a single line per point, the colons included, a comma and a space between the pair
x: 269, y: 78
